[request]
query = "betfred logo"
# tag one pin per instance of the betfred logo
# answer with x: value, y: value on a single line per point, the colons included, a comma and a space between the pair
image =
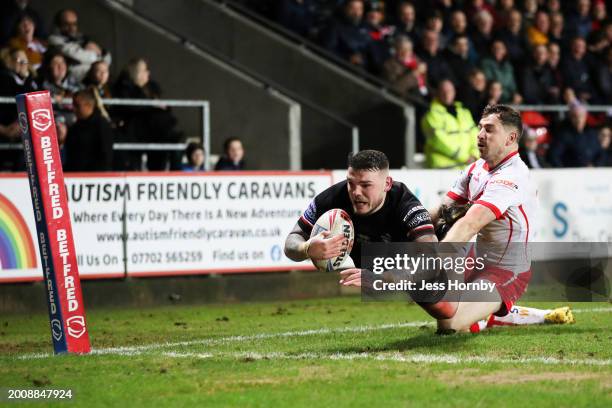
x: 56, y: 329
x: 76, y: 326
x: 41, y: 119
x: 23, y: 122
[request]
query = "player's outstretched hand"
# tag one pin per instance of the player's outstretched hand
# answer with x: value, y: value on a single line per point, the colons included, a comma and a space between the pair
x: 350, y: 277
x: 321, y: 246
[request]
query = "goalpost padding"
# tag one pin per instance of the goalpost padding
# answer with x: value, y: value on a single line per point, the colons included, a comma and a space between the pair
x: 54, y: 231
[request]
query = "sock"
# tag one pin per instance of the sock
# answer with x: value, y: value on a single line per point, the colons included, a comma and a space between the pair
x: 518, y: 315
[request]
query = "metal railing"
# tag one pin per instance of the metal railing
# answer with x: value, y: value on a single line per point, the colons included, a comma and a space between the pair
x: 562, y: 108
x: 203, y: 105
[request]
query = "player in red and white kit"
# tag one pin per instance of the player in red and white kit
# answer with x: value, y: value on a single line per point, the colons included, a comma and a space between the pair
x: 502, y: 216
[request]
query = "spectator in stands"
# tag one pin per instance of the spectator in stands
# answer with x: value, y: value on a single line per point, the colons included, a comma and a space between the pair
x: 446, y: 8
x: 195, y: 157
x: 233, y: 158
x: 450, y: 131
x: 473, y: 93
x: 529, y: 151
x: 11, y: 12
x: 605, y: 139
x: 604, y: 78
x: 14, y: 79
x: 54, y: 78
x: 348, y: 36
x: 458, y: 58
x: 458, y: 26
x: 577, y: 72
x: 557, y: 28
x: 600, y: 40
x: 435, y: 22
x: 24, y: 40
x: 407, y: 25
x: 599, y: 14
x: 502, y: 13
x: 79, y: 48
x: 380, y: 34
x: 473, y: 7
x: 437, y: 67
x: 494, y: 93
x: 537, y: 34
x: 298, y: 16
x: 537, y: 83
x: 553, y: 6
x: 530, y: 9
x: 579, y: 22
x: 554, y: 59
x: 514, y: 37
x: 406, y: 73
x: 145, y: 124
x: 89, y: 143
x: 498, y: 68
x: 482, y: 32
x: 575, y: 144
x: 98, y: 78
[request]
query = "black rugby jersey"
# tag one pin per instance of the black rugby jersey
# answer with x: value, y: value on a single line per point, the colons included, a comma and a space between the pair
x: 402, y: 217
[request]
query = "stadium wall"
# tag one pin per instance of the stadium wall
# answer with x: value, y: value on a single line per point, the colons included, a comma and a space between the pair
x: 174, y: 224
x: 240, y: 107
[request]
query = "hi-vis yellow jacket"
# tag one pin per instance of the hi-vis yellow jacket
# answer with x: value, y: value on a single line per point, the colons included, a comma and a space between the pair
x: 450, y: 140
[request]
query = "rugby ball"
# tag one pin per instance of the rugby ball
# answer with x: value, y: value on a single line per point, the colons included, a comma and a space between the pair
x: 338, y: 222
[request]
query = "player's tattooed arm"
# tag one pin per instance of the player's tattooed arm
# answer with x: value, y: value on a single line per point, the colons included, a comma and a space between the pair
x: 299, y: 247
x: 296, y: 244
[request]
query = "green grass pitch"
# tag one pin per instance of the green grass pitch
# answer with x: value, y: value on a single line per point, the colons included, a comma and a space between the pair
x: 326, y: 352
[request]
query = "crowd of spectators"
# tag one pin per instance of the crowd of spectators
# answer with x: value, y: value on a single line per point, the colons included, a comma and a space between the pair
x: 75, y: 69
x: 451, y: 57
x: 531, y: 52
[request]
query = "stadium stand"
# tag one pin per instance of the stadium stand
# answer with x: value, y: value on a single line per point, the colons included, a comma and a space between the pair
x: 537, y: 52
x: 517, y: 44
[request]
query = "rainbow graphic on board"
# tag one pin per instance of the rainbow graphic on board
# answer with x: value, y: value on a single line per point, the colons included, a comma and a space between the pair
x: 16, y: 244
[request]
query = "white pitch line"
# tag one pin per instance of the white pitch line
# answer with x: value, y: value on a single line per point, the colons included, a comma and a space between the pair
x: 262, y: 336
x: 135, y: 350
x: 594, y: 310
x: 398, y: 357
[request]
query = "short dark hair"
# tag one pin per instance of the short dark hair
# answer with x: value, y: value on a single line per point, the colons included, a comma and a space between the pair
x: 58, y: 18
x: 508, y: 116
x: 86, y: 94
x: 228, y: 142
x: 458, y: 37
x: 192, y: 147
x: 373, y: 160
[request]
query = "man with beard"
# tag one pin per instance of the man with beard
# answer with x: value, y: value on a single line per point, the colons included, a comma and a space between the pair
x: 382, y: 210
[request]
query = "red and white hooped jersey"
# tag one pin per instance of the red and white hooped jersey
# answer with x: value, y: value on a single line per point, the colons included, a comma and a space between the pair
x: 508, y: 191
